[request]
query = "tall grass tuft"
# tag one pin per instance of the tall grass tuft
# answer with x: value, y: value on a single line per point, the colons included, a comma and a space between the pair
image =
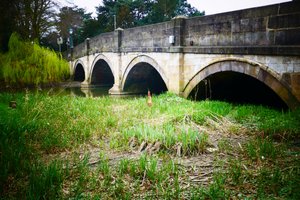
x: 27, y: 63
x: 45, y: 182
x: 191, y: 141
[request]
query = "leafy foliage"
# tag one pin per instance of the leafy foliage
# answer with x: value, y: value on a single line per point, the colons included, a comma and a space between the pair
x: 32, y: 19
x: 29, y: 64
x: 142, y: 12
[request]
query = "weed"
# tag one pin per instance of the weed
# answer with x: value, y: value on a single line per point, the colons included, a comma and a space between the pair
x: 235, y: 171
x: 224, y: 145
x: 45, y: 181
x: 261, y: 149
x: 216, y: 189
x: 124, y: 166
x: 104, y: 169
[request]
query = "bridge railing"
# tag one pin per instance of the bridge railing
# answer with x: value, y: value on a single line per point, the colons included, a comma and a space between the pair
x: 102, y: 43
x: 145, y: 37
x: 79, y: 50
x: 269, y: 25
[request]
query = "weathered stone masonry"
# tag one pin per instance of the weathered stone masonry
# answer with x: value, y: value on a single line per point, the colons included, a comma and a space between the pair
x: 261, y: 42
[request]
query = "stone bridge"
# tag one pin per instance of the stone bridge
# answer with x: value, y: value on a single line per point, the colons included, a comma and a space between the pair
x: 250, y: 55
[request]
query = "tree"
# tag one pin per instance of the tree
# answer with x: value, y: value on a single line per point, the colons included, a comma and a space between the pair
x: 165, y: 10
x: 106, y: 13
x: 130, y: 13
x: 91, y: 27
x: 69, y: 17
x: 7, y: 22
x: 30, y: 18
x: 184, y: 8
x: 34, y: 17
x: 82, y: 24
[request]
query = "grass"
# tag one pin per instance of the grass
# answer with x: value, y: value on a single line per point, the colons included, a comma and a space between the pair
x: 167, y: 136
x: 44, y: 126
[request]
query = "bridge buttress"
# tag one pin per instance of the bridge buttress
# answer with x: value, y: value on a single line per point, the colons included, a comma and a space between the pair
x: 87, y: 70
x: 117, y: 89
x: 175, y: 72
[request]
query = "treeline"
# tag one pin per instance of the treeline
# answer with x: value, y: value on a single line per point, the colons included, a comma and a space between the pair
x: 47, y: 20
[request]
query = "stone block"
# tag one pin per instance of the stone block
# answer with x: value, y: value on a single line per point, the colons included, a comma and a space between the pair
x: 259, y: 24
x: 237, y: 67
x: 287, y: 37
x: 290, y: 7
x: 225, y: 66
x: 248, y: 38
x: 235, y: 26
x: 207, y: 29
x: 252, y: 70
x: 260, y: 38
x: 245, y: 25
x: 262, y: 74
x: 223, y: 40
x: 216, y: 67
x: 284, y: 21
x: 223, y: 27
x: 206, y: 40
x: 270, y: 80
x: 237, y: 39
x: 295, y: 85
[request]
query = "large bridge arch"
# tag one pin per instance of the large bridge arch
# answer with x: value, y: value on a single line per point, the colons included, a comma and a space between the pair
x: 250, y: 68
x: 148, y: 61
x: 101, y: 71
x: 78, y: 71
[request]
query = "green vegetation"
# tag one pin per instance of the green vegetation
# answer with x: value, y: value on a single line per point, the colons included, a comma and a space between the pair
x: 55, y: 146
x: 29, y: 64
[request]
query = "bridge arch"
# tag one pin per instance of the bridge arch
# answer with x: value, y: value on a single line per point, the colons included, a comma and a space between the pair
x: 78, y: 71
x: 101, y: 71
x: 248, y: 68
x: 145, y: 63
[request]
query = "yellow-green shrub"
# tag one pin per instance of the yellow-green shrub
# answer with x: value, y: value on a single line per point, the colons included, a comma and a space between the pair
x: 27, y: 63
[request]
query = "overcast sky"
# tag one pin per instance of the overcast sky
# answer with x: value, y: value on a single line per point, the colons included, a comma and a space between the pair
x: 209, y: 6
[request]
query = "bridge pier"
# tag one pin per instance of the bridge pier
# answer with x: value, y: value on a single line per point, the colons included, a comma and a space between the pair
x: 85, y: 84
x: 115, y: 90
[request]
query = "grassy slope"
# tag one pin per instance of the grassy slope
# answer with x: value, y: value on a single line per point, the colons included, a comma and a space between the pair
x: 267, y: 165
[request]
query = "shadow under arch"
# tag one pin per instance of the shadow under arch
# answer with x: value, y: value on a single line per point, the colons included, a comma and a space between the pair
x: 78, y: 72
x: 246, y: 68
x: 101, y: 72
x: 145, y: 73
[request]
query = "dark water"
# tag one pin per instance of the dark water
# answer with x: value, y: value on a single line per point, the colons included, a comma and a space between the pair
x: 72, y: 89
x: 86, y: 92
x: 95, y: 91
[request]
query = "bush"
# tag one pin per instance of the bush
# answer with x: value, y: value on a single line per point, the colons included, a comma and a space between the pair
x: 27, y: 63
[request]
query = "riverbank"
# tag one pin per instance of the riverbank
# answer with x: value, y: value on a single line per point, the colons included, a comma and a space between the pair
x: 110, y: 148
